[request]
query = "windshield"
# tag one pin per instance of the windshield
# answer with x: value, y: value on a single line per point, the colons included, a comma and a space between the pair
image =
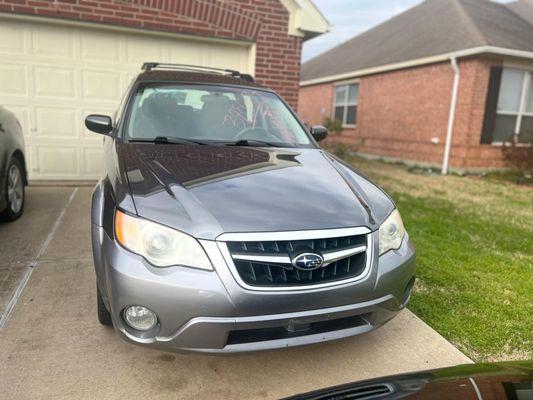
x: 213, y: 114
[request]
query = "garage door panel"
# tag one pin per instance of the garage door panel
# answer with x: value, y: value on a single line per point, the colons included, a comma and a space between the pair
x: 56, y: 122
x: 227, y: 57
x: 52, y: 42
x: 12, y: 39
x: 13, y: 79
x: 57, y: 161
x: 99, y: 85
x: 100, y: 47
x: 140, y: 50
x: 54, y: 82
x: 93, y: 162
x: 189, y: 53
x: 52, y: 77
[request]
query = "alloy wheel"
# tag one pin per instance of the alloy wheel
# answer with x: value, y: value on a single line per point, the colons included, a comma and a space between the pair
x: 15, y: 189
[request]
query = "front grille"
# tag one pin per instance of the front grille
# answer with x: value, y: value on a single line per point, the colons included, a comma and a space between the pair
x: 268, y: 263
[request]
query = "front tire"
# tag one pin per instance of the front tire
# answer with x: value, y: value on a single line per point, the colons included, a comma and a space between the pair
x: 104, y: 315
x: 14, y: 191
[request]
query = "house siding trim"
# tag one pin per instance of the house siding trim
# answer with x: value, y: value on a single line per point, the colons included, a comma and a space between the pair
x: 476, y: 51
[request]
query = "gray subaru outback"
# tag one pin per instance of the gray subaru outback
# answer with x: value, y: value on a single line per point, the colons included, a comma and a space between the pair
x: 221, y: 226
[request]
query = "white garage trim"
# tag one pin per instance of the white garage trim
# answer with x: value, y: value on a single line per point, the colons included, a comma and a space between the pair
x: 305, y: 19
x: 53, y: 73
x: 118, y: 28
x: 138, y: 31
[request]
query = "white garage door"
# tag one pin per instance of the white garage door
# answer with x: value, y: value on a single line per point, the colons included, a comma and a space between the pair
x: 52, y: 76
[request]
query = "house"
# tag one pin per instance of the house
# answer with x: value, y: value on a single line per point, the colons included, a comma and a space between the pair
x: 444, y: 83
x: 64, y: 59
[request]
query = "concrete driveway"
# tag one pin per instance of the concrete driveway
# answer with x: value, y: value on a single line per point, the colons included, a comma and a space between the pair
x: 52, y: 345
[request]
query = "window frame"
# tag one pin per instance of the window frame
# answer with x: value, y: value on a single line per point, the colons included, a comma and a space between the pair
x: 346, y: 103
x: 119, y: 113
x: 527, y: 82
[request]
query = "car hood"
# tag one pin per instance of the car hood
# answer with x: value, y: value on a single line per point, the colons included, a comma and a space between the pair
x: 511, y: 380
x: 209, y: 190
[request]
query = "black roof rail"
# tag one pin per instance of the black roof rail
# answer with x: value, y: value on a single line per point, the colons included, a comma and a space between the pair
x: 148, y: 66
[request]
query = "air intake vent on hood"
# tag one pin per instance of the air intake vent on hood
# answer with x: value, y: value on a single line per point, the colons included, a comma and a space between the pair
x: 354, y: 393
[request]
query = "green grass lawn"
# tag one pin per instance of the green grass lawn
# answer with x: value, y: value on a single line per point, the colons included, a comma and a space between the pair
x: 474, y: 242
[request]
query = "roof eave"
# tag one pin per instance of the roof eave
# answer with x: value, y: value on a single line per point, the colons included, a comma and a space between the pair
x: 305, y: 19
x: 421, y: 61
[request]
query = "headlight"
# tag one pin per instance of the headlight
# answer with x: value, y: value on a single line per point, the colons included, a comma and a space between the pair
x: 391, y: 233
x: 159, y: 245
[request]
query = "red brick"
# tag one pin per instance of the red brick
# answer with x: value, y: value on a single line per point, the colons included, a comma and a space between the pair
x: 124, y: 14
x: 23, y: 9
x: 400, y: 112
x: 91, y: 17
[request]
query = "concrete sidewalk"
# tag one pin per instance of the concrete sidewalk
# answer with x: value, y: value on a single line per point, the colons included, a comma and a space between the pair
x: 53, y: 346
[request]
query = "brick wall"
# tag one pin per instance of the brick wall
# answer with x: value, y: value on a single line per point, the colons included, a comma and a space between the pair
x: 264, y: 22
x: 400, y: 112
x: 315, y: 103
x: 469, y: 153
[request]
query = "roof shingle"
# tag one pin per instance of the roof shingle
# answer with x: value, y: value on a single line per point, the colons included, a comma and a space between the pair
x: 523, y: 8
x: 432, y: 28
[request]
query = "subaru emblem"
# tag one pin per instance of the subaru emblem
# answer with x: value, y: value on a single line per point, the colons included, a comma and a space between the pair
x: 308, y: 261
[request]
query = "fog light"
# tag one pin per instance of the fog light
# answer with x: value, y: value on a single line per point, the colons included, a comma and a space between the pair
x: 140, y: 318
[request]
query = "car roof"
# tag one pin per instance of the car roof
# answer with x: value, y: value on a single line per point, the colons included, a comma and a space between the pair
x: 170, y: 76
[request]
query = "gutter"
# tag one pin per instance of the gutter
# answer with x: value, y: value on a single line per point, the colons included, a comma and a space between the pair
x: 451, y: 117
x: 421, y: 61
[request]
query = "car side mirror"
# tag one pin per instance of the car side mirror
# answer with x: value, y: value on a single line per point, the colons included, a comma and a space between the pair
x: 99, y: 123
x: 319, y: 132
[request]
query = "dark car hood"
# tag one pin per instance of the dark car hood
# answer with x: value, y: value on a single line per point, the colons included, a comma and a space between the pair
x: 209, y: 190
x: 512, y: 380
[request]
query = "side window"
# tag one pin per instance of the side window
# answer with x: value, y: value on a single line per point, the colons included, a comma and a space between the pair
x: 514, y: 111
x: 345, y: 103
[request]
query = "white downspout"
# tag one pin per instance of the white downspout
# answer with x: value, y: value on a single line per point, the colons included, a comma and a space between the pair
x: 451, y: 118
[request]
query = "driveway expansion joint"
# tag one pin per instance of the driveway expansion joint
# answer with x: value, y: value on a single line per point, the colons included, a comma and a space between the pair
x: 33, y: 263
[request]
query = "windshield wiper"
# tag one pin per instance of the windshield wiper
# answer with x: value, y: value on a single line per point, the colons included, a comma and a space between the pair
x: 178, y: 140
x: 166, y: 140
x: 254, y: 143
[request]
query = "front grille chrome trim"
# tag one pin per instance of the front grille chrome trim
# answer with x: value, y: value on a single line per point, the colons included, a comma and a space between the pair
x: 333, y: 256
x: 223, y: 247
x: 329, y: 257
x: 291, y: 235
x: 265, y: 259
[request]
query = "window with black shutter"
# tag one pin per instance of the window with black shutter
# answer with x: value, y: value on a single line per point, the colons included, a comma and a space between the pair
x: 509, y: 107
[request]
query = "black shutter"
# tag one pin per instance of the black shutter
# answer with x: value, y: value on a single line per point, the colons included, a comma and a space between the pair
x: 491, y: 103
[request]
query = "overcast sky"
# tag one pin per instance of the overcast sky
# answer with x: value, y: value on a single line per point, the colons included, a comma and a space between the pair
x: 351, y: 17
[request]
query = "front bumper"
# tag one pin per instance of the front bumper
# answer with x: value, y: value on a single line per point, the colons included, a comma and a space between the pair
x: 208, y: 311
